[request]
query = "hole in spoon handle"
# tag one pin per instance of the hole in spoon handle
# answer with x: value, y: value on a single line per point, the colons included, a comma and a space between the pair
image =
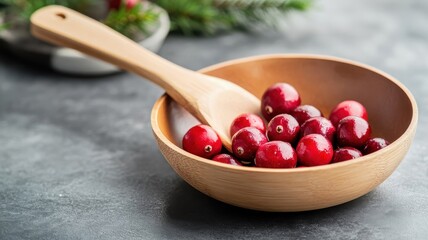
x: 61, y: 15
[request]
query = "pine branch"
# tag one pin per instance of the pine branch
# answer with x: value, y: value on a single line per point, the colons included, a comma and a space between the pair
x: 25, y: 8
x: 249, y: 12
x: 192, y: 16
x: 3, y: 26
x: 187, y: 16
x: 132, y: 22
x: 246, y: 4
x: 209, y: 16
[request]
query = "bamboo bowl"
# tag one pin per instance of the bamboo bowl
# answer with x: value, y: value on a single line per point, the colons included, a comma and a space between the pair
x: 322, y: 82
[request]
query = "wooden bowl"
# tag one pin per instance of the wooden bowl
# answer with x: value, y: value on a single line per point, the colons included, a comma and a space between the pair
x: 323, y: 82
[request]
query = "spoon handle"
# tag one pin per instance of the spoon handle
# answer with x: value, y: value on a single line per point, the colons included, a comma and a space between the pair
x: 66, y: 27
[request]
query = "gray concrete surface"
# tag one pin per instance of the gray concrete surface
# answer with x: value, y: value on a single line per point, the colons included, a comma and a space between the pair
x: 78, y: 159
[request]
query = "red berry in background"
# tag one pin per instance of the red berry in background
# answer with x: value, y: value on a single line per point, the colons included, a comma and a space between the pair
x: 276, y: 154
x: 202, y: 141
x: 346, y: 153
x: 314, y: 150
x: 245, y: 143
x: 318, y: 125
x: 131, y: 3
x: 374, y: 144
x: 226, y: 158
x: 305, y: 112
x: 353, y: 131
x: 283, y: 127
x: 247, y: 120
x: 348, y: 108
x: 115, y: 4
x: 279, y: 98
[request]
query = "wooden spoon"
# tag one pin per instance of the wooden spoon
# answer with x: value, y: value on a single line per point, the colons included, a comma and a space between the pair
x: 211, y: 100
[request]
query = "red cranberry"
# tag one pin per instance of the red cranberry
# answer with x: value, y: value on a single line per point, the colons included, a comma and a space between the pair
x: 374, y: 144
x: 226, y: 158
x: 318, y: 125
x: 247, y: 120
x: 245, y: 143
x: 283, y: 127
x: 202, y: 141
x: 304, y: 112
x: 279, y: 98
x: 131, y: 3
x: 276, y: 154
x: 353, y: 131
x: 314, y: 150
x: 115, y: 4
x: 346, y: 153
x: 348, y: 108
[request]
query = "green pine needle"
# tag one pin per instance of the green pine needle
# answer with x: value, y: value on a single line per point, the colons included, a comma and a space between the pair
x: 3, y: 26
x: 25, y: 8
x: 193, y: 16
x: 132, y: 22
x: 189, y: 17
x: 210, y: 16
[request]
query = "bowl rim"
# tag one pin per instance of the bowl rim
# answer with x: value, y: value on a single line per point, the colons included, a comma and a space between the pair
x: 411, y: 127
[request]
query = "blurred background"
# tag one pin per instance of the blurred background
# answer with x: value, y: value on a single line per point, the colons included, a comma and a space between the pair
x: 77, y: 156
x: 146, y: 22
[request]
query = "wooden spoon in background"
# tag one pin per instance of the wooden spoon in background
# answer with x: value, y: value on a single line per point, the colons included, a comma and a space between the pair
x: 211, y: 100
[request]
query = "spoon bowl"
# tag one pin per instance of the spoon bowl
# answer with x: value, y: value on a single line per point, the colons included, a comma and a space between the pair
x: 323, y: 82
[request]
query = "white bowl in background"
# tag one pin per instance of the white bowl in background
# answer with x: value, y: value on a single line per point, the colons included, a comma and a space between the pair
x: 66, y: 60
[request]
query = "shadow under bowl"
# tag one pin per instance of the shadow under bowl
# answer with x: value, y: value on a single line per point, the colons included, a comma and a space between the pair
x: 323, y: 82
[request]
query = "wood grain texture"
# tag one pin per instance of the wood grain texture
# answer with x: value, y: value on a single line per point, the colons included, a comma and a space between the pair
x: 323, y: 82
x: 202, y: 95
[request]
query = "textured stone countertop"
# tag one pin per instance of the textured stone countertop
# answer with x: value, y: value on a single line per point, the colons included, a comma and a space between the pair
x: 78, y: 159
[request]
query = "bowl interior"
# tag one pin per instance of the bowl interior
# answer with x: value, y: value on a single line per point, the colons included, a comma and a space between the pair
x: 321, y: 81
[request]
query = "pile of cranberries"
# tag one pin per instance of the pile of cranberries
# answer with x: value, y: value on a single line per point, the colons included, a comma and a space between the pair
x: 295, y: 136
